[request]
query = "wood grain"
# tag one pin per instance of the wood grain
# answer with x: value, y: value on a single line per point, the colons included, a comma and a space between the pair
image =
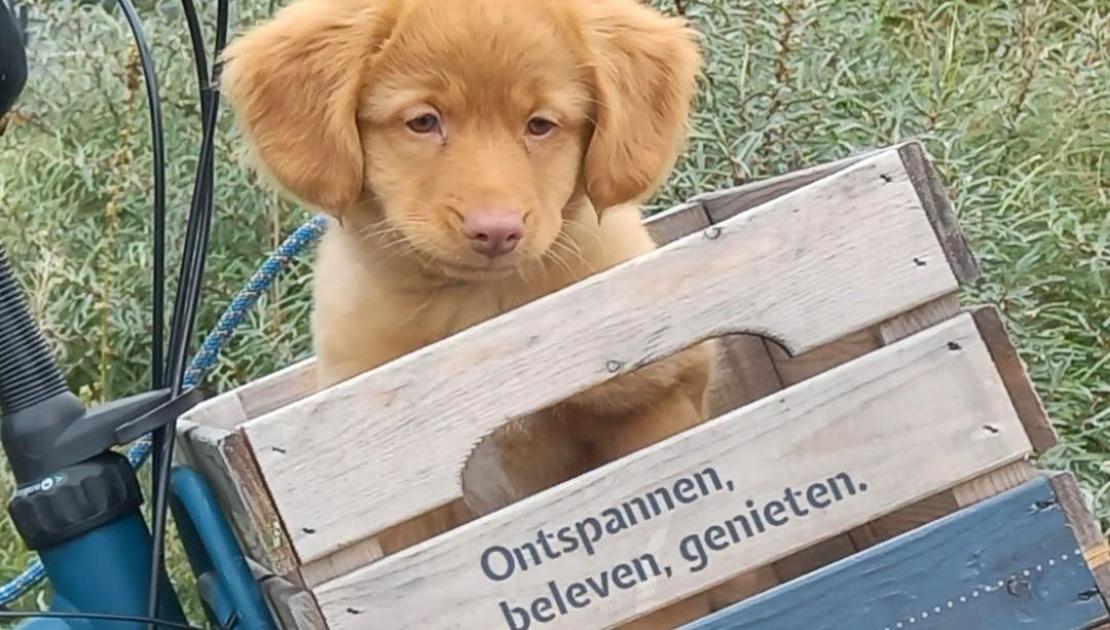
x: 745, y: 373
x: 935, y: 200
x: 293, y: 606
x: 1091, y: 539
x: 1022, y: 396
x: 223, y: 459
x: 389, y: 444
x: 793, y: 370
x: 796, y: 369
x: 919, y: 318
x: 904, y: 520
x: 1014, y: 374
x: 809, y: 364
x: 278, y: 389
x: 929, y: 509
x: 724, y: 204
x: 814, y: 557
x: 677, y: 222
x: 944, y: 411
x: 957, y: 573
x: 993, y: 482
x: 744, y: 370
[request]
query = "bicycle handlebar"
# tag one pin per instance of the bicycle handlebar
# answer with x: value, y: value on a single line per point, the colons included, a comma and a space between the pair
x: 28, y: 373
x: 13, y: 59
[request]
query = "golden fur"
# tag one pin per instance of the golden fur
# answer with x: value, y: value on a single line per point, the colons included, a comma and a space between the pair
x: 337, y: 97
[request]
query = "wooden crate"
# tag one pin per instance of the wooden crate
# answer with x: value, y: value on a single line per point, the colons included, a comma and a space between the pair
x: 856, y: 403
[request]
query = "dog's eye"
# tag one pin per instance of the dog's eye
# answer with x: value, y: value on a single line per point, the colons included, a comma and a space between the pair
x: 540, y: 126
x: 426, y: 123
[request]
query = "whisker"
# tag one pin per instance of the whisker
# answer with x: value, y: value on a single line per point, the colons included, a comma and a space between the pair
x: 573, y: 249
x: 554, y: 256
x: 588, y: 230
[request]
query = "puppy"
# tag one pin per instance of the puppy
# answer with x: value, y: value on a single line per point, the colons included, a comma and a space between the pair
x: 476, y: 155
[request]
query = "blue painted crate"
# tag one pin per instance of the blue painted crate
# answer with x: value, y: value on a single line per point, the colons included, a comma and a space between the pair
x: 1010, y: 562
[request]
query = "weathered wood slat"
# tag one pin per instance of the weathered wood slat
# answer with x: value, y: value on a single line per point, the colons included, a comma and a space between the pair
x: 787, y: 270
x: 671, y: 225
x: 1091, y: 539
x: 750, y: 368
x: 724, y: 204
x: 795, y: 369
x: 939, y: 210
x: 1012, y: 369
x: 930, y: 508
x: 933, y: 399
x: 223, y: 459
x: 745, y: 373
x: 297, y: 381
x: 275, y: 390
x: 1011, y: 561
x: 294, y: 607
x: 994, y: 482
x: 919, y: 319
x: 792, y: 370
x: 1023, y: 397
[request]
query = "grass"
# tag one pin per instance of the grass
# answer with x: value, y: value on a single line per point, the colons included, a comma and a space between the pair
x: 1009, y: 97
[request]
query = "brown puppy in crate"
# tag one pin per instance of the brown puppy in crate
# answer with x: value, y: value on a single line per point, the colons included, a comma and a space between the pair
x: 476, y: 155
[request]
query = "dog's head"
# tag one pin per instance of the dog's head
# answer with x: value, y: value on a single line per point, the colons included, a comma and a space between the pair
x: 467, y: 127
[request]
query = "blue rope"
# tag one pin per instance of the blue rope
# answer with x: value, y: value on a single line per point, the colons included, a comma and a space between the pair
x: 202, y: 363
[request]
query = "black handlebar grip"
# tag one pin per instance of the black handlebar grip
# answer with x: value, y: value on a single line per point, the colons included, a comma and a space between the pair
x: 28, y: 373
x: 13, y: 60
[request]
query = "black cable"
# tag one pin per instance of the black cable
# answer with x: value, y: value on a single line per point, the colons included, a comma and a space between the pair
x: 181, y: 332
x: 157, y: 145
x: 196, y: 237
x: 188, y: 294
x: 194, y: 261
x: 196, y: 38
x: 161, y: 623
x: 178, y: 335
x: 200, y: 218
x: 158, y: 375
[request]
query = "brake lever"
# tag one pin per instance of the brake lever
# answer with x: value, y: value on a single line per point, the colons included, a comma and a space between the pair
x: 160, y: 416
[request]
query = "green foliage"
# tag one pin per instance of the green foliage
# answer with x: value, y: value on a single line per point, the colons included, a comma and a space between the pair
x: 1009, y: 97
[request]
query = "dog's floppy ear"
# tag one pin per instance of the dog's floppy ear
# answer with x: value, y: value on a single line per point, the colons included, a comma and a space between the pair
x: 645, y: 67
x: 294, y: 85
